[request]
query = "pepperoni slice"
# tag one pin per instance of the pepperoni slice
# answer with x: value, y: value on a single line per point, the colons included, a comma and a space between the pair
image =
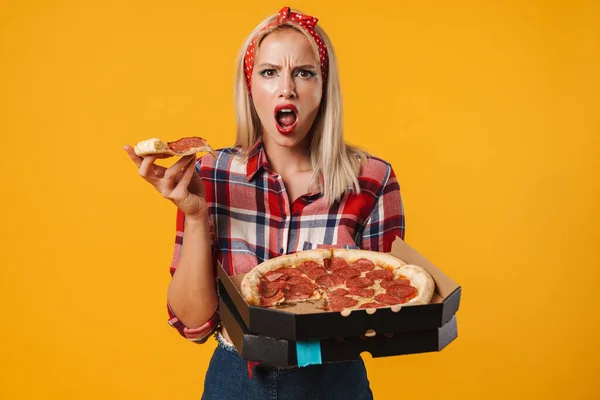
x: 333, y: 300
x: 269, y: 289
x: 327, y: 263
x: 294, y: 280
x: 339, y: 303
x: 269, y: 301
x: 347, y: 273
x: 387, y: 299
x: 357, y: 291
x: 338, y: 292
x: 371, y: 305
x: 387, y: 284
x: 401, y: 291
x: 185, y: 144
x: 381, y: 274
x: 362, y: 264
x: 289, y: 271
x: 325, y: 281
x: 301, y: 288
x: 274, y: 275
x: 338, y: 280
x: 338, y: 263
x: 306, y: 266
x: 316, y: 272
x: 359, y: 282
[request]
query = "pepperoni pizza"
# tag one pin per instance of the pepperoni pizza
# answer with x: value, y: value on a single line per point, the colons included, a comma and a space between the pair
x: 338, y: 278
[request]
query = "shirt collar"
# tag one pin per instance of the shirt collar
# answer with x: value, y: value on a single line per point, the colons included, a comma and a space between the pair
x: 257, y: 159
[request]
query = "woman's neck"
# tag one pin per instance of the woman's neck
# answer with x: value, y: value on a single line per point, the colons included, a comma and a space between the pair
x: 288, y: 160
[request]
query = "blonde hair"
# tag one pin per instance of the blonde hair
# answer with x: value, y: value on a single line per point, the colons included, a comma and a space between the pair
x: 336, y: 164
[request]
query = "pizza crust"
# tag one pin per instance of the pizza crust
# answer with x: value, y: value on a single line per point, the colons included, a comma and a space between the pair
x: 317, y: 255
x: 352, y: 255
x: 151, y: 146
x: 420, y: 279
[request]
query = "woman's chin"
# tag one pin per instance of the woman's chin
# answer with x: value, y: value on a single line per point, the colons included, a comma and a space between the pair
x: 291, y: 139
x: 286, y: 141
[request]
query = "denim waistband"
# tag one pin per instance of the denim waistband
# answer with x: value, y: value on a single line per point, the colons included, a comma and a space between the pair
x: 225, y: 344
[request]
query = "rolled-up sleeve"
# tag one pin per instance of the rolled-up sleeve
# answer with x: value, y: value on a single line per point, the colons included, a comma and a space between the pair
x: 198, y: 335
x: 386, y: 221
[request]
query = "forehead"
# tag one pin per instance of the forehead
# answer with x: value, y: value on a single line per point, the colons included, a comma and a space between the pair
x: 285, y: 43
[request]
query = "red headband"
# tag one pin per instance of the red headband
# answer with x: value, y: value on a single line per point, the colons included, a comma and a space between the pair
x: 308, y: 23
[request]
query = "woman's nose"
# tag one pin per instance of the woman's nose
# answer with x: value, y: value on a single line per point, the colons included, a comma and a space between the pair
x: 287, y: 89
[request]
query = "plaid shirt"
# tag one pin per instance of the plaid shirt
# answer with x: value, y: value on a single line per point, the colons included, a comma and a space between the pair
x: 252, y: 219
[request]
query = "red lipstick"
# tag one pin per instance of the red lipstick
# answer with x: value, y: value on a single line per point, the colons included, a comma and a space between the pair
x: 288, y: 109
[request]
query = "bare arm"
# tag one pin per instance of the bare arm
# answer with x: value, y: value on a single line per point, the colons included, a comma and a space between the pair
x: 192, y: 293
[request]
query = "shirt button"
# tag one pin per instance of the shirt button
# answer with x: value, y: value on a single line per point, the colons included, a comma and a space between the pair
x: 281, y: 250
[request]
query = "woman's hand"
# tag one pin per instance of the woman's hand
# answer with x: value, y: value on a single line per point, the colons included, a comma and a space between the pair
x: 179, y: 183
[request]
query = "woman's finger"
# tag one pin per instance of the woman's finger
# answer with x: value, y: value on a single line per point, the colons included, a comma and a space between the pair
x: 173, y: 175
x: 146, y: 167
x: 134, y: 157
x: 176, y: 168
x: 184, y: 182
x: 181, y: 191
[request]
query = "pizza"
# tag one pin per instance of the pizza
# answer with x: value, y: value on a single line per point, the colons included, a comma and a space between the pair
x: 182, y: 147
x: 338, y: 279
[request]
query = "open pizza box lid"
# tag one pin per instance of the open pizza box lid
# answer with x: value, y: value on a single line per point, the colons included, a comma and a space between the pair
x: 306, y: 321
x: 284, y: 353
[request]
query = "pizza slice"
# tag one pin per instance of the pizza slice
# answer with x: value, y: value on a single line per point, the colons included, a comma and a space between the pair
x: 375, y: 280
x: 182, y: 147
x: 286, y: 279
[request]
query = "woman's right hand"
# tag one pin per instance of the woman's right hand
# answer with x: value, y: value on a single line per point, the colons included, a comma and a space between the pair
x: 179, y: 183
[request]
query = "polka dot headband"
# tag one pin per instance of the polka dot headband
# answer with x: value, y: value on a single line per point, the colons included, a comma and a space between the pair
x: 285, y: 15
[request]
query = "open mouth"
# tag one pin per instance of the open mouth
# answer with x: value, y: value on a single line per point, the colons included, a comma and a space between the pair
x: 286, y: 117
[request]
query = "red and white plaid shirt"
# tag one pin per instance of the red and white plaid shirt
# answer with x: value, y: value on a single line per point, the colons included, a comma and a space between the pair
x: 252, y: 219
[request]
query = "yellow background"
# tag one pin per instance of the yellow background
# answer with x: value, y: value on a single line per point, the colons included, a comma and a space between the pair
x: 488, y: 112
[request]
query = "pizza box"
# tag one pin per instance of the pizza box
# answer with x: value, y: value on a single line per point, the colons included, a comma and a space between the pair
x: 305, y: 321
x: 286, y: 353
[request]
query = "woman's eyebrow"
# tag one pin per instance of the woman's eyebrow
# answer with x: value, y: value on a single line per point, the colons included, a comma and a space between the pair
x: 306, y: 66
x: 269, y: 65
x: 274, y: 66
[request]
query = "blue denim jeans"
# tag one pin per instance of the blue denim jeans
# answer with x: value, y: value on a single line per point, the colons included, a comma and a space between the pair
x: 227, y: 379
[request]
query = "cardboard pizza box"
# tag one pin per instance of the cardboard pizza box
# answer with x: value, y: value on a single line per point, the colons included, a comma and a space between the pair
x: 306, y: 321
x: 286, y: 353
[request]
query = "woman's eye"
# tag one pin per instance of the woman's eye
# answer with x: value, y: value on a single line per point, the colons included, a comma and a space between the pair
x: 303, y: 73
x: 268, y: 73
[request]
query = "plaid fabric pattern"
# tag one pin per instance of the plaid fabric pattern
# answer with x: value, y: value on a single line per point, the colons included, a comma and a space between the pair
x: 252, y: 219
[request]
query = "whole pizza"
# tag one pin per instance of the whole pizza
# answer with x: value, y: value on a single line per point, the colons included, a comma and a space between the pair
x: 341, y: 279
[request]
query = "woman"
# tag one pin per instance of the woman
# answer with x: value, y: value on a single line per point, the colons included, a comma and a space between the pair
x: 289, y: 184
